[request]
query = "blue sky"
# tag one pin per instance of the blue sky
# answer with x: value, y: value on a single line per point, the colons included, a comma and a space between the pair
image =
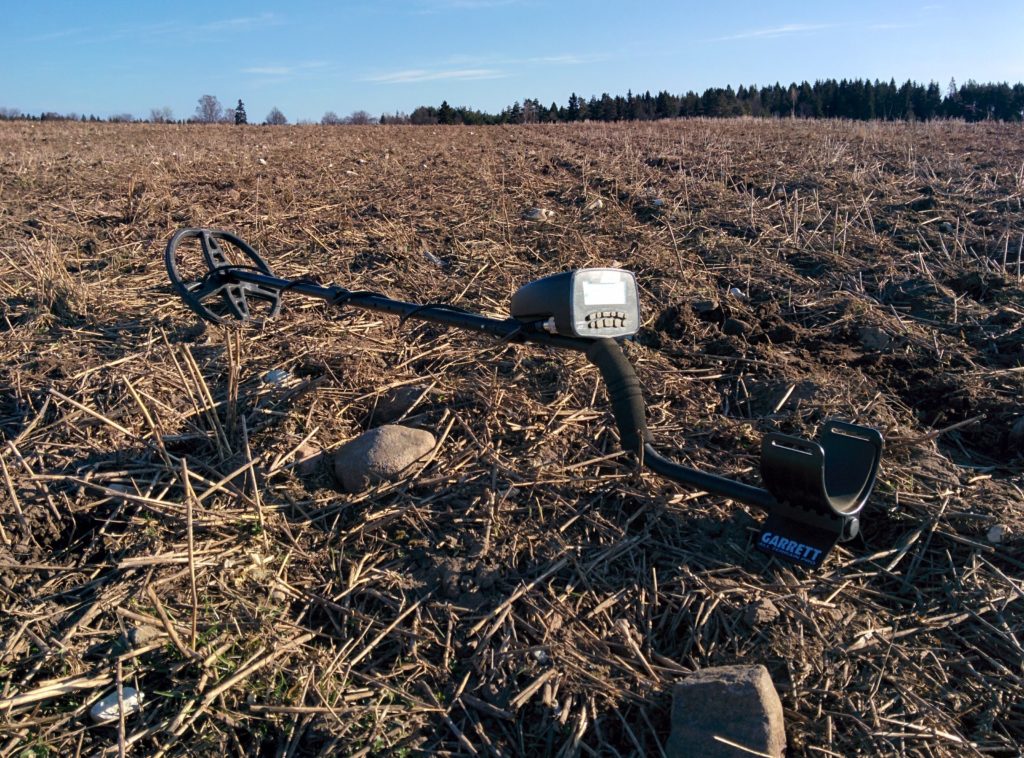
x: 308, y: 57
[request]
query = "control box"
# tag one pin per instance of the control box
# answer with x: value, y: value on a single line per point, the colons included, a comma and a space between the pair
x: 588, y: 302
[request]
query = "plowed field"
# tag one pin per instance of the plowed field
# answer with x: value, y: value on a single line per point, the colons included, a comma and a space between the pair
x: 525, y: 590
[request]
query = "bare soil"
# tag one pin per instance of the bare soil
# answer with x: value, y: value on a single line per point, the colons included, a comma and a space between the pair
x: 525, y: 590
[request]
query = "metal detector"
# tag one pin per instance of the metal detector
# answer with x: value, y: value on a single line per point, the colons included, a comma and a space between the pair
x: 813, y: 491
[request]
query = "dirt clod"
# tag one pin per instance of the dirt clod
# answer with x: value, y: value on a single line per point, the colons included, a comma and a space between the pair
x: 735, y: 327
x: 873, y: 338
x: 762, y: 612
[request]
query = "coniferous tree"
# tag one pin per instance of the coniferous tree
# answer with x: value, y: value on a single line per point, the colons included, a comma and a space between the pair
x: 573, y: 111
x: 240, y: 117
x: 933, y: 101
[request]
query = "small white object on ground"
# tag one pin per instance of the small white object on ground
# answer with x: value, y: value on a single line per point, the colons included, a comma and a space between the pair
x: 275, y: 376
x: 997, y: 533
x: 105, y: 710
x: 737, y: 293
x: 538, y: 214
x: 122, y: 488
x: 434, y: 259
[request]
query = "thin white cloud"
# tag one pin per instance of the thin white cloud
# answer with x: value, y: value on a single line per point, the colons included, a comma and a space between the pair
x: 269, y: 70
x: 469, y: 67
x: 410, y: 76
x: 283, y: 70
x: 889, y: 26
x: 161, y: 29
x: 478, y: 4
x: 566, y: 59
x: 497, y: 61
x: 435, y: 6
x: 61, y: 34
x: 776, y: 31
x: 241, y: 23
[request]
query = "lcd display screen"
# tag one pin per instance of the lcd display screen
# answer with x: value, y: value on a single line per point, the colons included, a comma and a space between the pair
x: 604, y: 293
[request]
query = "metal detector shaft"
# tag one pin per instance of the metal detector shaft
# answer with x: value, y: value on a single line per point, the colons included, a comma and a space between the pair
x: 507, y: 329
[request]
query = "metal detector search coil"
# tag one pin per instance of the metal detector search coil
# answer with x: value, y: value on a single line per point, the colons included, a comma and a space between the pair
x: 814, y: 492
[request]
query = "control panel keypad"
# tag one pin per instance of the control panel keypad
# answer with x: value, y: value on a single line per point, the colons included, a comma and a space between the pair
x: 606, y: 319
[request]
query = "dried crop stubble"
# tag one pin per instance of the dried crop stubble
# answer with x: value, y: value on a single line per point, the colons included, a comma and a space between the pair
x: 526, y: 589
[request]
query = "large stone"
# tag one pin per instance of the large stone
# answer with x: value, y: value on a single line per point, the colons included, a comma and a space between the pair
x: 380, y: 455
x: 735, y: 704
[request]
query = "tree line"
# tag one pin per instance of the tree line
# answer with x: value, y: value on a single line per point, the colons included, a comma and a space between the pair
x: 208, y: 111
x: 857, y: 99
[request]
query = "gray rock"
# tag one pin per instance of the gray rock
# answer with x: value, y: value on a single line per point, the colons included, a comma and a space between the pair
x: 538, y: 214
x: 276, y: 376
x: 734, y: 703
x: 380, y: 455
x: 997, y: 534
x: 396, y: 402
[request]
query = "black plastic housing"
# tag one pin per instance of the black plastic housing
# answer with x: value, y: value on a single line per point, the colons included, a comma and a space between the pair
x: 589, y: 302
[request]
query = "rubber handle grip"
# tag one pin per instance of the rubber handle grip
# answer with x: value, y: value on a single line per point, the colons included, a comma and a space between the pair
x: 624, y: 392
